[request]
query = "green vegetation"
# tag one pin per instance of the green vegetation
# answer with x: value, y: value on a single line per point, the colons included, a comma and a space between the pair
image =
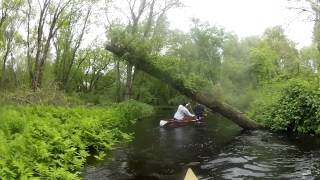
x: 296, y: 110
x: 64, y: 94
x: 50, y: 142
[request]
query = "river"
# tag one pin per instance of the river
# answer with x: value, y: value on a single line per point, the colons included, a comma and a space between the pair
x: 215, y: 149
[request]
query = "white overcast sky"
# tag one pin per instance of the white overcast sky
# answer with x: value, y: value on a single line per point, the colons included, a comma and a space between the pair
x: 245, y: 17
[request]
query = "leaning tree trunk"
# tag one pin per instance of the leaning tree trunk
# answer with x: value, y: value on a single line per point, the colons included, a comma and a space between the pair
x: 144, y: 63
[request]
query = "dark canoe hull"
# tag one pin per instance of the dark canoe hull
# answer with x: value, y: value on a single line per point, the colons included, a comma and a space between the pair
x: 174, y: 124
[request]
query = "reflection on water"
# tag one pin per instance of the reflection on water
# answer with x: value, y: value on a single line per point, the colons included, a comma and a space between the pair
x: 216, y: 149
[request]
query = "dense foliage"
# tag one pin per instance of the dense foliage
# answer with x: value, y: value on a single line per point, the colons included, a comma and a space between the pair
x: 297, y: 110
x: 53, y: 142
x: 49, y: 58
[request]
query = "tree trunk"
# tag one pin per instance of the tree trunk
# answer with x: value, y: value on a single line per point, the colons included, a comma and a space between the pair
x: 3, y: 74
x: 129, y: 81
x: 118, y: 80
x: 5, y: 57
x: 143, y: 63
x: 35, y: 80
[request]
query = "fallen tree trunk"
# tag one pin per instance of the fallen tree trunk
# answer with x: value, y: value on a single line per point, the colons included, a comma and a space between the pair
x: 144, y: 63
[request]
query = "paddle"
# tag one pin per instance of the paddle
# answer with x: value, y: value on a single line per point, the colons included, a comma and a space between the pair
x: 191, y: 110
x: 163, y: 123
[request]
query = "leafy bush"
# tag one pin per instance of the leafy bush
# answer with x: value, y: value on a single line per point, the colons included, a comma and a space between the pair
x: 49, y: 142
x: 131, y: 110
x: 264, y: 98
x: 297, y: 110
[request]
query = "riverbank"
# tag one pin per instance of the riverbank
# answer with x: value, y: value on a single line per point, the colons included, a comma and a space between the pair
x: 54, y: 142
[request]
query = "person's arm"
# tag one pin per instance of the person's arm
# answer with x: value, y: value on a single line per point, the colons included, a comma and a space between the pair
x: 187, y: 112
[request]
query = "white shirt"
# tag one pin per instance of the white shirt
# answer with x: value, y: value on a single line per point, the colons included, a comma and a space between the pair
x: 182, y: 112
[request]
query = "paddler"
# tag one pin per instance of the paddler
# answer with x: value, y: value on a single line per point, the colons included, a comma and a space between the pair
x: 199, y: 111
x: 183, y: 113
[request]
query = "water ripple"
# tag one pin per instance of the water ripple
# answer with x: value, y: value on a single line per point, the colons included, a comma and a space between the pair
x: 262, y: 154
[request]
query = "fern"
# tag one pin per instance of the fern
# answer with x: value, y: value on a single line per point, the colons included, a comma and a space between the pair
x: 46, y: 142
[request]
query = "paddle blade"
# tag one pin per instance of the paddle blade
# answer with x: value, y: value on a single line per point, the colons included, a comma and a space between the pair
x: 163, y: 123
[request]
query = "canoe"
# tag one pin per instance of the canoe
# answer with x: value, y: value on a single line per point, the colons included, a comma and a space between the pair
x: 190, y: 175
x: 175, y: 123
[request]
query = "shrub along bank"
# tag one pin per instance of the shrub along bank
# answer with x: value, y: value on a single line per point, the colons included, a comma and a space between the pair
x: 46, y: 142
x: 297, y: 110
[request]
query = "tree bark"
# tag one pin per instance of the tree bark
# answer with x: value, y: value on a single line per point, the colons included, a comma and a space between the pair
x: 129, y: 82
x: 144, y: 63
x: 118, y: 80
x: 5, y: 59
